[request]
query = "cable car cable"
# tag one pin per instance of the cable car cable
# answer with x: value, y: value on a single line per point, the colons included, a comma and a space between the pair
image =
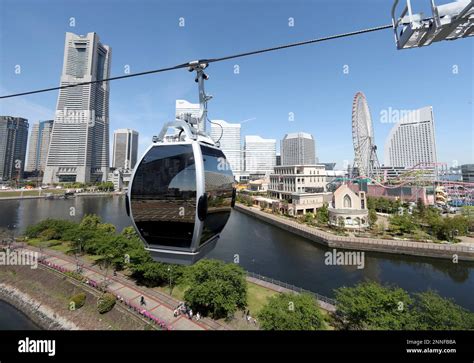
x: 210, y: 60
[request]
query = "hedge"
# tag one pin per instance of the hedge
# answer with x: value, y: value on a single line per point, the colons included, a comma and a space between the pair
x: 77, y: 301
x: 105, y: 303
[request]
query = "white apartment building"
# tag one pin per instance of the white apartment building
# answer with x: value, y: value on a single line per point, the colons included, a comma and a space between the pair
x: 301, y: 188
x: 229, y: 139
x: 412, y: 140
x: 288, y: 180
x: 298, y: 148
x: 260, y: 154
x: 79, y: 147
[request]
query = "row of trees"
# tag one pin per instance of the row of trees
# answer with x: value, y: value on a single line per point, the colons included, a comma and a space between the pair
x: 218, y: 290
x: 370, y: 305
x: 214, y: 288
x: 428, y: 221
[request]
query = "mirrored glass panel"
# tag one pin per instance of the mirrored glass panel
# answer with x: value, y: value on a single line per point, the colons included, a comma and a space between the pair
x: 219, y: 184
x: 163, y: 196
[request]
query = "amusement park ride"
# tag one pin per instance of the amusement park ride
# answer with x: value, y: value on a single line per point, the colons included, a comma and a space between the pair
x: 181, y: 192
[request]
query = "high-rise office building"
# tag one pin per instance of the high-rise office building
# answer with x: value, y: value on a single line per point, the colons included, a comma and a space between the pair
x: 467, y: 172
x: 278, y: 160
x: 229, y: 139
x: 13, y: 140
x: 38, y: 145
x: 125, y: 149
x: 79, y: 147
x: 190, y: 112
x: 298, y: 148
x: 411, y: 141
x: 260, y: 154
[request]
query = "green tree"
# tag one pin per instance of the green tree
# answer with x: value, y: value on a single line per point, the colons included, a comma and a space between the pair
x: 369, y: 305
x: 420, y: 207
x: 372, y: 217
x: 290, y: 311
x: 308, y: 218
x: 402, y: 224
x: 106, y: 228
x: 217, y: 289
x: 341, y: 224
x: 322, y: 214
x: 90, y: 221
x: 433, y: 312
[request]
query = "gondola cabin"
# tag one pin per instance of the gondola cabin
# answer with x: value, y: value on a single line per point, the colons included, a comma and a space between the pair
x: 181, y: 196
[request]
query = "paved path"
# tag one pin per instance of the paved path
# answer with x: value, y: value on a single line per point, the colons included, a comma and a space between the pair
x: 158, y: 304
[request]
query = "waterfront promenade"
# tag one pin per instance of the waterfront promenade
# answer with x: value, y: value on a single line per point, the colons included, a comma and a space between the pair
x: 425, y: 249
x: 158, y: 304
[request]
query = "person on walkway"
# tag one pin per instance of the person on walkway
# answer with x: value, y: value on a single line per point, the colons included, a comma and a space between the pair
x: 142, y: 301
x: 198, y: 316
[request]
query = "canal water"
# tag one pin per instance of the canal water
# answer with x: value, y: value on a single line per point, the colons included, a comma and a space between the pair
x: 13, y: 319
x: 271, y: 251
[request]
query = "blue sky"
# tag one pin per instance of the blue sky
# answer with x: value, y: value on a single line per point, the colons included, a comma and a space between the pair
x: 308, y: 81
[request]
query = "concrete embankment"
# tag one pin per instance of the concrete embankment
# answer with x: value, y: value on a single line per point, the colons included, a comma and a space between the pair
x: 42, y: 315
x: 436, y: 250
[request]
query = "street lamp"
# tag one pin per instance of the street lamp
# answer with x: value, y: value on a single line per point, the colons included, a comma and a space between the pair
x: 169, y: 271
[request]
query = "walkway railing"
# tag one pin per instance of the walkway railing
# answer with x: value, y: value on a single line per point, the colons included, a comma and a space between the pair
x: 292, y: 287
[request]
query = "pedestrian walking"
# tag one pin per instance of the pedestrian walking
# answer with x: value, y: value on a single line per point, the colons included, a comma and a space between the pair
x: 142, y: 301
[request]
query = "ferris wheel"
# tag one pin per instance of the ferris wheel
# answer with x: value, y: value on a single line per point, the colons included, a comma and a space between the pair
x: 365, y: 156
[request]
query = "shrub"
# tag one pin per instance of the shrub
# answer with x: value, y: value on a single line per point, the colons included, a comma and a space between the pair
x: 75, y: 275
x: 106, y: 303
x: 48, y: 234
x: 77, y: 301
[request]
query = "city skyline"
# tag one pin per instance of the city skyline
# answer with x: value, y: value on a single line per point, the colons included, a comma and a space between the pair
x: 322, y: 109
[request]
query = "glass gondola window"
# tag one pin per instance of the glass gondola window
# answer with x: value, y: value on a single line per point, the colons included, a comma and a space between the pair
x: 219, y: 186
x: 163, y: 196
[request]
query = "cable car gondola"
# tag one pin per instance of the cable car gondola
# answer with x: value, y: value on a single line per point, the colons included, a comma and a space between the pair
x: 181, y: 192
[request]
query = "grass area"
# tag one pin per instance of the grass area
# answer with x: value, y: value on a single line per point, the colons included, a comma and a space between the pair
x: 178, y: 291
x: 92, y: 258
x: 29, y: 193
x: 257, y: 297
x: 63, y: 247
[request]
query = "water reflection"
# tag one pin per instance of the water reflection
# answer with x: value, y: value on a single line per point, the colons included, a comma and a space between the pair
x: 275, y: 253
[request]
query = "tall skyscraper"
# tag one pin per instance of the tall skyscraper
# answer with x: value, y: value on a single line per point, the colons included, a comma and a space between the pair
x: 298, y: 148
x: 125, y: 149
x: 412, y: 140
x: 229, y: 138
x: 38, y: 145
x: 260, y: 154
x: 13, y: 140
x: 190, y: 112
x: 79, y: 148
